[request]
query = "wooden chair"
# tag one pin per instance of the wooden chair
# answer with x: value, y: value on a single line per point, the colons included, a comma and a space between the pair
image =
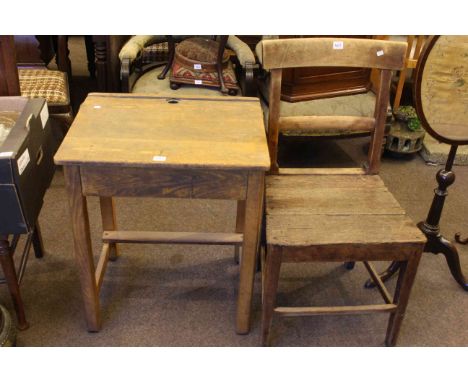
x: 335, y: 215
x: 31, y: 78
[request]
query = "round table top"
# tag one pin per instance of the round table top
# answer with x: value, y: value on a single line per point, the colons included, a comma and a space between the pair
x: 441, y: 88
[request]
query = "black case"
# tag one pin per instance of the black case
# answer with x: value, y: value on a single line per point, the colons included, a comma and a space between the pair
x: 24, y: 182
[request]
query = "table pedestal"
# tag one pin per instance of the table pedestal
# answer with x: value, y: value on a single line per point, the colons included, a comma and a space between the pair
x: 436, y: 243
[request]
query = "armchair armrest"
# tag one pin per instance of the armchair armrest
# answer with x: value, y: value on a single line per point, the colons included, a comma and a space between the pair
x: 247, y: 61
x: 243, y: 52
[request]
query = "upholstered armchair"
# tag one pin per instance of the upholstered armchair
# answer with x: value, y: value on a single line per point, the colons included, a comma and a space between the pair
x: 142, y: 55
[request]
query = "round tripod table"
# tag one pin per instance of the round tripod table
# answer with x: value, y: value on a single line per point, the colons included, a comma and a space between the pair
x: 440, y: 92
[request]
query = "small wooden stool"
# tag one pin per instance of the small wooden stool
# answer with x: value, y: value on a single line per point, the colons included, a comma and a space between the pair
x: 203, y: 62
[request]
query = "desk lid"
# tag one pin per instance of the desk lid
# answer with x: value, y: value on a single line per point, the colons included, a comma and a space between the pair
x: 145, y: 130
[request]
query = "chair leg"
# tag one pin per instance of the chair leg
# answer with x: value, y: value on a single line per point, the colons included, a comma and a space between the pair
x: 171, y: 43
x: 402, y: 292
x: 37, y: 242
x: 8, y: 267
x: 270, y: 287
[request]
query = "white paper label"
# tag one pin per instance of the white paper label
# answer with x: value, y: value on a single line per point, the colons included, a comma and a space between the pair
x: 23, y: 161
x: 159, y: 158
x: 338, y: 44
x: 6, y: 154
x: 44, y: 115
x: 197, y: 66
x: 380, y: 53
x: 198, y: 82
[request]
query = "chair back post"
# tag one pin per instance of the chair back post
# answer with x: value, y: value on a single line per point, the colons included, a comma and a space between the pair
x: 273, y: 117
x: 380, y: 115
x: 9, y: 80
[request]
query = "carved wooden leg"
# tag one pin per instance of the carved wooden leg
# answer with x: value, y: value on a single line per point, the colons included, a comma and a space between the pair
x: 63, y: 56
x: 402, y: 292
x: 37, y: 242
x: 438, y: 244
x: 271, y: 277
x: 240, y: 217
x: 100, y: 53
x: 253, y: 207
x: 83, y: 249
x: 459, y: 240
x: 219, y: 63
x: 90, y: 56
x: 109, y: 223
x: 11, y: 278
x: 171, y: 46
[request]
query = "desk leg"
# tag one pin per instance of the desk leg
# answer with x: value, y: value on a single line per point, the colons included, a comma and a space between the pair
x: 253, y: 211
x: 109, y: 223
x: 83, y: 249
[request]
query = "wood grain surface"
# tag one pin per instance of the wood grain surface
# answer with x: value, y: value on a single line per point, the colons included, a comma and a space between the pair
x: 324, y: 210
x: 337, y: 52
x: 208, y: 132
x: 162, y: 182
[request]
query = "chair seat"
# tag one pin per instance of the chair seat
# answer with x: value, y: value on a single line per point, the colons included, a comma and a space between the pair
x: 342, y: 212
x: 49, y: 84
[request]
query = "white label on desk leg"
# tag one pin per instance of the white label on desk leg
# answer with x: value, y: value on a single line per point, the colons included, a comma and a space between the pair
x: 159, y: 158
x: 44, y: 115
x: 198, y: 82
x: 197, y: 66
x: 23, y: 161
x: 338, y: 45
x: 380, y: 53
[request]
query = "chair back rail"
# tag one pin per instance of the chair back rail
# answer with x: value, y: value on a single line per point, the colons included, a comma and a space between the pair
x: 343, y: 52
x: 308, y: 52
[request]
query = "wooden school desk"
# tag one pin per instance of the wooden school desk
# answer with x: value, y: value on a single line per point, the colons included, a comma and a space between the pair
x: 153, y: 146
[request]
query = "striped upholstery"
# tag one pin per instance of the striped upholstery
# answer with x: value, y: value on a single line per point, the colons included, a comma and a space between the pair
x: 49, y: 84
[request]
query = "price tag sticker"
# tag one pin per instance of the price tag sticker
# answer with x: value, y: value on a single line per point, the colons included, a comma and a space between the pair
x: 44, y: 115
x: 23, y: 161
x: 159, y: 158
x: 197, y: 66
x: 198, y: 82
x: 380, y: 53
x: 338, y: 45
